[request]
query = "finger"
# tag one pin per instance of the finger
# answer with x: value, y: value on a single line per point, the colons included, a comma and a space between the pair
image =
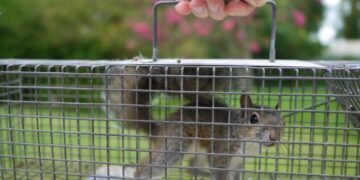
x: 199, y: 8
x: 256, y: 3
x: 183, y: 7
x: 216, y: 9
x: 238, y: 8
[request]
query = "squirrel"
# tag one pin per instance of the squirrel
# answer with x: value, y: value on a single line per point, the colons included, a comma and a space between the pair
x: 130, y: 88
x: 129, y: 93
x: 208, y: 129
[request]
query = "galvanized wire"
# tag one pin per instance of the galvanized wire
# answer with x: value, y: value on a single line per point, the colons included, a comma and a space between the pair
x: 57, y: 120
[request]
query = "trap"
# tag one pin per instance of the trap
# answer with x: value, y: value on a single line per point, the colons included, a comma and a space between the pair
x: 286, y: 119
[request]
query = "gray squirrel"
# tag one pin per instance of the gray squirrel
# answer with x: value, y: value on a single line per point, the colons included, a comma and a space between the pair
x: 205, y: 128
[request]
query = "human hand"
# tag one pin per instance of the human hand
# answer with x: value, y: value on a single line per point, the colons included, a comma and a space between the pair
x: 218, y: 9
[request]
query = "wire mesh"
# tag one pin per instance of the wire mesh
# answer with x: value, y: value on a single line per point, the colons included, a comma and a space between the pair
x: 67, y: 120
x: 350, y: 89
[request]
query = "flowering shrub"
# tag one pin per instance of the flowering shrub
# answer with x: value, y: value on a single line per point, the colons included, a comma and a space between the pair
x: 120, y: 29
x: 299, y: 18
x: 236, y: 37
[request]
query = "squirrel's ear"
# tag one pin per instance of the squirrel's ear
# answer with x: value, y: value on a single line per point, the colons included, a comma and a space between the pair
x: 245, y: 101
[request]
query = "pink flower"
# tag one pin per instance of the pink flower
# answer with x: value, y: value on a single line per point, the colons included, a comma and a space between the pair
x: 172, y: 17
x: 299, y: 18
x: 229, y: 24
x: 202, y: 27
x: 142, y: 29
x: 255, y: 47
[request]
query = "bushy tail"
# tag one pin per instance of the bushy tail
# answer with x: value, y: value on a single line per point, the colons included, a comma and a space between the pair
x: 129, y: 88
x: 128, y: 97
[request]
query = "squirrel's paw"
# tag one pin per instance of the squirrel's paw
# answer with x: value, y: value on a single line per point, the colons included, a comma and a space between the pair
x: 112, y: 173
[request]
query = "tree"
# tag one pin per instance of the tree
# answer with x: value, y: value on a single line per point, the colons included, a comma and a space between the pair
x: 237, y: 37
x: 120, y: 29
x: 351, y: 14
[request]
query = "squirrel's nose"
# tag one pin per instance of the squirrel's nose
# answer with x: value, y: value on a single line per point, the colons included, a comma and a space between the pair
x: 273, y: 136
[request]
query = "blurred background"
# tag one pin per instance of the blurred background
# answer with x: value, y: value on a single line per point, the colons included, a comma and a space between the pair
x: 121, y: 29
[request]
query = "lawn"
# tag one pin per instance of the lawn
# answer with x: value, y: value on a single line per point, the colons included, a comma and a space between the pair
x: 68, y: 141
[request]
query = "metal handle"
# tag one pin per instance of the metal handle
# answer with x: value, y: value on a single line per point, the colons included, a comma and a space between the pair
x: 272, y: 54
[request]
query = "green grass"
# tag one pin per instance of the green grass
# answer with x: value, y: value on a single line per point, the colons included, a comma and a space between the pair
x: 66, y: 142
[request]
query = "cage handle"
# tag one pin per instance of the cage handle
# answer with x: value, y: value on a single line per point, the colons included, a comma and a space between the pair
x: 155, y: 52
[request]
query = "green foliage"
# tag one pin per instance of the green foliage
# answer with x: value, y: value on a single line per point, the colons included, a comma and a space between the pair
x: 120, y: 29
x: 298, y: 21
x: 62, y: 29
x: 351, y: 28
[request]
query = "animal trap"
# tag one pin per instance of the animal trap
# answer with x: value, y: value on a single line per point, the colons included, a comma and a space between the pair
x: 179, y: 119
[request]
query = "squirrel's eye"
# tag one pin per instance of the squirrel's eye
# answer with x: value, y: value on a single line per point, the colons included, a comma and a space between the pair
x: 254, y: 119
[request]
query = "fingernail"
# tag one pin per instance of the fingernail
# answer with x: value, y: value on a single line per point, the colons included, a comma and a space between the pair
x: 199, y: 10
x: 213, y: 8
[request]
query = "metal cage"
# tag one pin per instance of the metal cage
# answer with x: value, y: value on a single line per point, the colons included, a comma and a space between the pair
x: 65, y: 120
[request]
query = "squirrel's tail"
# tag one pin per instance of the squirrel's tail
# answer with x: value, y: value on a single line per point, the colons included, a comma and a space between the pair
x: 128, y: 97
x: 128, y: 91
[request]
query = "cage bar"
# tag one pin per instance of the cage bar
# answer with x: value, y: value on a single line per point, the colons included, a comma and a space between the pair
x: 69, y: 119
